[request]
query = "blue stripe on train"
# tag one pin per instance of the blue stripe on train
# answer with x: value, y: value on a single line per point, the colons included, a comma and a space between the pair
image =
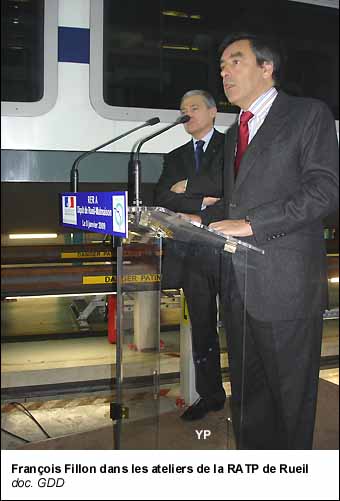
x: 73, y: 45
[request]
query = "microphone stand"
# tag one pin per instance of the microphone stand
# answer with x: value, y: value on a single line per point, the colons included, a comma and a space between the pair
x: 136, y: 163
x: 74, y: 175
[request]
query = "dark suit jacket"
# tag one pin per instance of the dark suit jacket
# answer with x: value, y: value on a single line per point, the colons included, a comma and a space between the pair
x: 179, y: 164
x: 287, y: 183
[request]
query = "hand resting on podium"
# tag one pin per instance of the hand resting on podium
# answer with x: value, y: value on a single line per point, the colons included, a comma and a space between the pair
x: 233, y: 227
x: 229, y: 227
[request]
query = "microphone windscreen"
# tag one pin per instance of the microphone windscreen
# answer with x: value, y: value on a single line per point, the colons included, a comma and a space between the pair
x: 153, y: 121
x: 183, y: 119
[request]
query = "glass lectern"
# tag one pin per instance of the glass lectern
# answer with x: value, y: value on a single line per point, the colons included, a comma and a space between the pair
x: 136, y: 411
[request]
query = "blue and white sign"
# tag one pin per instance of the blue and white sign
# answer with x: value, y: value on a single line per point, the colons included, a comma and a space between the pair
x: 100, y: 212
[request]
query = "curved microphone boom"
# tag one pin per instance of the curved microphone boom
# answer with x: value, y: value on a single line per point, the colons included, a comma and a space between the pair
x: 181, y: 120
x: 74, y: 171
x: 136, y: 163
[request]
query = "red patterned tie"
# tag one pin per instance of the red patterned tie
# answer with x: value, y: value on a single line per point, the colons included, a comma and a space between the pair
x: 243, y: 136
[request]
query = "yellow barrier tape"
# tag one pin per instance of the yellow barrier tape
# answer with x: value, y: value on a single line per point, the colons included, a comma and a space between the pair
x: 75, y: 255
x: 107, y: 279
x: 185, y: 311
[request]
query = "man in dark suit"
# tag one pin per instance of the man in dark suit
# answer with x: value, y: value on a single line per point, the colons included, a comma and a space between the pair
x: 280, y: 182
x: 189, y: 183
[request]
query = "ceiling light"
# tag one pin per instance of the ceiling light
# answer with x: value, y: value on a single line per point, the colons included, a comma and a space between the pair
x: 27, y: 236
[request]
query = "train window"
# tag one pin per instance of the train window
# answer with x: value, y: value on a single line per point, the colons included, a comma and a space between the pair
x: 147, y: 53
x: 29, y: 56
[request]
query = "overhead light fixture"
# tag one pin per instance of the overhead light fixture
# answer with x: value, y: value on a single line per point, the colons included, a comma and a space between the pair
x: 43, y: 296
x: 28, y: 236
x: 174, y: 13
x: 179, y: 47
x: 334, y: 280
x: 184, y: 15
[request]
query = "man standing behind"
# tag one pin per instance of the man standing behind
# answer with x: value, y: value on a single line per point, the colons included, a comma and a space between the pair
x: 280, y: 181
x: 192, y: 180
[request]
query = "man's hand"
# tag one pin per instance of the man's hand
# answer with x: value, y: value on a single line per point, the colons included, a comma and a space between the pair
x: 191, y: 217
x: 179, y: 187
x: 209, y: 201
x: 233, y: 227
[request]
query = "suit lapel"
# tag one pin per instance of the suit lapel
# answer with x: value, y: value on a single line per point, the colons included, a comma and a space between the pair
x: 189, y: 159
x: 229, y: 158
x: 210, y: 152
x: 188, y: 156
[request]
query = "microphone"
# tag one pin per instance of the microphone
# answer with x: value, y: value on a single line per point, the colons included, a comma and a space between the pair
x: 180, y: 120
x: 74, y: 176
x: 136, y: 163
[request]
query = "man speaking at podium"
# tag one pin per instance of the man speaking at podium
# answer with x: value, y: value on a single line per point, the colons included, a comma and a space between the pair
x: 280, y: 182
x: 192, y: 180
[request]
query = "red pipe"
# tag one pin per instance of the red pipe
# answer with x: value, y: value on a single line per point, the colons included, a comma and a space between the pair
x: 112, y: 318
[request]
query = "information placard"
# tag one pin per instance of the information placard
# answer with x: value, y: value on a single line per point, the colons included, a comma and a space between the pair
x: 100, y: 212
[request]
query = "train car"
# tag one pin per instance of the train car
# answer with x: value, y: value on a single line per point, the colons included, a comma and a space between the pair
x: 76, y: 74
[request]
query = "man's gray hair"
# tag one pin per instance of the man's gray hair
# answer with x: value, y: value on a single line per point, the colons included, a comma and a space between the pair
x: 209, y: 100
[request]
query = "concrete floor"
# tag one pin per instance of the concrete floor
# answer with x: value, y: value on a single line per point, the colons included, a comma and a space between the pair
x: 82, y: 420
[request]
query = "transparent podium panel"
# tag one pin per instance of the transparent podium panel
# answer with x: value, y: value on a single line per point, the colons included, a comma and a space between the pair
x: 205, y: 266
x: 138, y: 342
